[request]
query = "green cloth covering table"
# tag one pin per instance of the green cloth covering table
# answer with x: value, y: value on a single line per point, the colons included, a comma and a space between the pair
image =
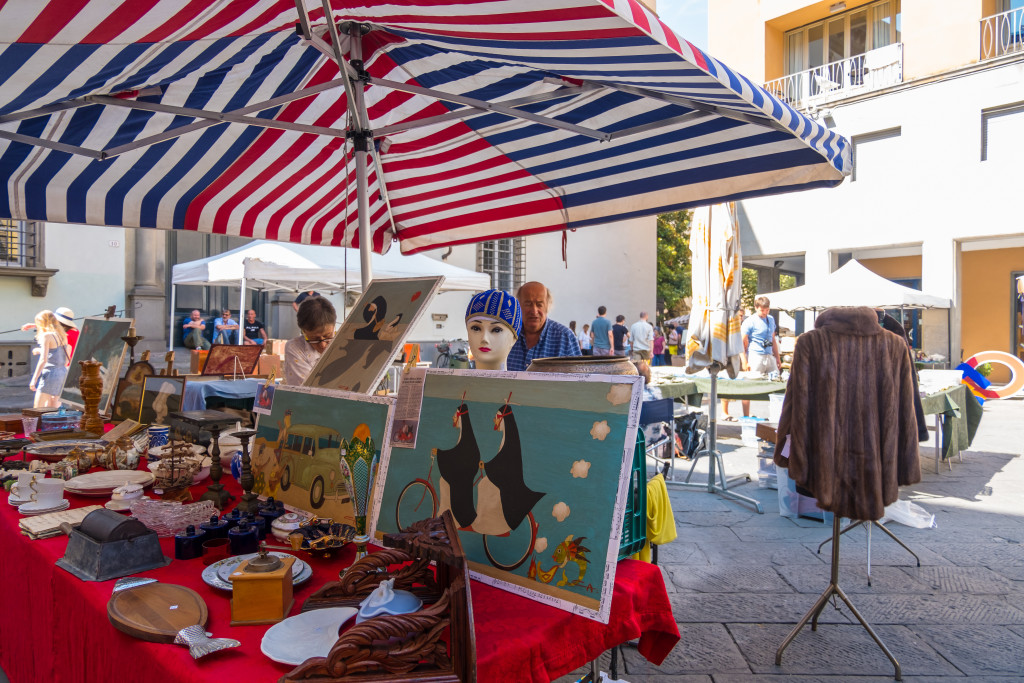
x: 693, y: 390
x: 960, y: 413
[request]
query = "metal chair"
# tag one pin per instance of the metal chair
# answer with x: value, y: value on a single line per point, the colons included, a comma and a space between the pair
x: 662, y: 412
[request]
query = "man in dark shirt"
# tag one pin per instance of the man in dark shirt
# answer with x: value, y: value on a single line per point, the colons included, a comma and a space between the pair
x: 620, y: 334
x: 302, y: 297
x: 255, y: 331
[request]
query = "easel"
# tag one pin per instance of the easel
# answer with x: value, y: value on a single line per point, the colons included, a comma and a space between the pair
x: 834, y: 589
x: 237, y: 369
x: 721, y: 486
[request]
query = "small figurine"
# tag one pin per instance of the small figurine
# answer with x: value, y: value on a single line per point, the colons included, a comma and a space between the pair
x: 494, y: 321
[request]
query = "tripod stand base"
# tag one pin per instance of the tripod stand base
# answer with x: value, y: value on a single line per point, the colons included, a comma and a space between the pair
x: 819, y: 605
x: 719, y: 484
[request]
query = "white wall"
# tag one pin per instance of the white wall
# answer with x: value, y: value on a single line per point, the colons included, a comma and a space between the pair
x: 91, y: 277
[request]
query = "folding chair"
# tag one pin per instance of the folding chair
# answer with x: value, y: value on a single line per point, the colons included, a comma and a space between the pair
x: 661, y: 412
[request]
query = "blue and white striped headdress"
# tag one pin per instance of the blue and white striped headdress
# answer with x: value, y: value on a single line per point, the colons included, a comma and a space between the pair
x: 498, y: 305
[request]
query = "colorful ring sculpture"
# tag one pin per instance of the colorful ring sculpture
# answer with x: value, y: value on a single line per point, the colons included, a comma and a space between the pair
x: 983, y: 388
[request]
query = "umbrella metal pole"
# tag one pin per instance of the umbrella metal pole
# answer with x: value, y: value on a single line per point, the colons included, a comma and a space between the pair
x: 721, y: 486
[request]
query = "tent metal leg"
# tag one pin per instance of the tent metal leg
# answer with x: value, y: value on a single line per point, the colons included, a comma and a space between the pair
x: 819, y: 605
x: 716, y: 483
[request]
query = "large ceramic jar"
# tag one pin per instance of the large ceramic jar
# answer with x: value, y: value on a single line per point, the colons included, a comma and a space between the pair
x: 591, y: 365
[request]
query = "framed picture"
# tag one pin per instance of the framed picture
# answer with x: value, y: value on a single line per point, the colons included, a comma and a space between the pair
x: 373, y: 334
x: 128, y: 400
x: 99, y: 339
x: 534, y: 468
x: 297, y: 451
x: 161, y: 395
x: 230, y: 359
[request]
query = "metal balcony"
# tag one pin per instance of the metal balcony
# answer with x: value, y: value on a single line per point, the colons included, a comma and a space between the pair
x: 1002, y: 34
x: 817, y: 87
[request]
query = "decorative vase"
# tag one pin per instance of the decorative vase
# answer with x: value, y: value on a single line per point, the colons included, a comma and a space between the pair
x: 590, y: 365
x: 91, y: 386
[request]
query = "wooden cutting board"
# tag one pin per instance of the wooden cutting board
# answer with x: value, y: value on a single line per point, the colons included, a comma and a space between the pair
x: 156, y: 611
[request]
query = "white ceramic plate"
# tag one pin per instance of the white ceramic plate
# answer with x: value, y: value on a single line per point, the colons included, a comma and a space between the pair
x: 211, y: 578
x: 310, y: 634
x: 29, y: 509
x: 104, y: 483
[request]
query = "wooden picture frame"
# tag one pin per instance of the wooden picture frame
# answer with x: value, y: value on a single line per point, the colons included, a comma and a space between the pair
x: 100, y: 340
x: 161, y: 396
x: 232, y: 359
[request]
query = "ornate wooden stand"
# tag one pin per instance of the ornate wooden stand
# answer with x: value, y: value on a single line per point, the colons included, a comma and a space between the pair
x: 91, y: 386
x: 409, y: 647
x: 250, y: 501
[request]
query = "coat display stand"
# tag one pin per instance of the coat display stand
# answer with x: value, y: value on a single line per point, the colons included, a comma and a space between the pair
x: 834, y: 589
x: 856, y: 523
x: 716, y: 483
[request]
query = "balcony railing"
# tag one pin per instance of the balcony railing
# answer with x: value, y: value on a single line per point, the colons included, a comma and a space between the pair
x: 861, y: 73
x: 1002, y: 34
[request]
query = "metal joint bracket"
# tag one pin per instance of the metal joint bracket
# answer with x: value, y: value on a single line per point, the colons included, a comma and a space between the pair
x: 361, y: 71
x: 360, y: 139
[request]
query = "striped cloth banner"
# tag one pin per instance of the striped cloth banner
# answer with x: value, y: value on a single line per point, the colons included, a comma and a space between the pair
x: 134, y: 114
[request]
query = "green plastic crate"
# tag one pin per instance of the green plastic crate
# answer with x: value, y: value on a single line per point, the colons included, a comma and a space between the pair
x: 634, y: 523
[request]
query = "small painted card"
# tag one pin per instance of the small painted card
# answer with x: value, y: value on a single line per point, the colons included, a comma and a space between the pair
x: 534, y: 468
x: 308, y: 442
x: 100, y: 339
x: 372, y: 335
x: 160, y: 396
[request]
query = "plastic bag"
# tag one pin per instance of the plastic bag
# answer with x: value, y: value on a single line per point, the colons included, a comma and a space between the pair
x: 909, y: 514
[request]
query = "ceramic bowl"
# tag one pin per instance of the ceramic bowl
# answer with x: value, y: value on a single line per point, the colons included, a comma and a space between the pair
x: 286, y: 524
x: 402, y: 602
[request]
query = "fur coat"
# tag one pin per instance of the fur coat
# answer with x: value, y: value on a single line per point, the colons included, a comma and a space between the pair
x: 849, y: 415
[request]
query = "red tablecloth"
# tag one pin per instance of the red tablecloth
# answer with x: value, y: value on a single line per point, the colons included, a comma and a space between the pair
x: 54, y: 627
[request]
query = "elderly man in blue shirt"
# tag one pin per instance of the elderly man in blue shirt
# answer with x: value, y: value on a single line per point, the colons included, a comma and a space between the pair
x: 541, y: 337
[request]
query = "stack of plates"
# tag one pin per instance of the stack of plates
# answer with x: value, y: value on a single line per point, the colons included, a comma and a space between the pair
x: 31, y: 509
x: 102, y: 484
x: 15, y: 501
x: 218, y: 574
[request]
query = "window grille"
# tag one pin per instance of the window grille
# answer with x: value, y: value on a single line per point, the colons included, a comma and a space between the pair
x: 504, y: 260
x: 18, y: 244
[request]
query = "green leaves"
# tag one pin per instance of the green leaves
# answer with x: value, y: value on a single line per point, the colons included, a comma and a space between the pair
x: 674, y: 261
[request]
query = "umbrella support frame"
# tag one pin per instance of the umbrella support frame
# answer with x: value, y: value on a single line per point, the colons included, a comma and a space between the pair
x: 721, y: 487
x: 819, y: 605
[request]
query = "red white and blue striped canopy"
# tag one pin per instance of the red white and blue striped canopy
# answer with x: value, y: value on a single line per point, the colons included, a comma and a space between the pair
x: 489, y: 118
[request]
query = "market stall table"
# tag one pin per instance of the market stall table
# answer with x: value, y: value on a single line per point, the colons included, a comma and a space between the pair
x: 196, y: 393
x: 957, y: 416
x: 54, y: 627
x: 693, y: 389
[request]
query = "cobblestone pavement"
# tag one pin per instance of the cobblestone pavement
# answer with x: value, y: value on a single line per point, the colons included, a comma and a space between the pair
x: 739, y: 581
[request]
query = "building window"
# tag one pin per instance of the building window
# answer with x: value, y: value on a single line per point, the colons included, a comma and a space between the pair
x: 873, y: 153
x: 19, y: 244
x: 1002, y: 133
x: 842, y: 36
x: 504, y: 260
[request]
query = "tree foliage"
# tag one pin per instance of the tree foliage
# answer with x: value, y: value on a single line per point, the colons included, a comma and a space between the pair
x: 674, y: 261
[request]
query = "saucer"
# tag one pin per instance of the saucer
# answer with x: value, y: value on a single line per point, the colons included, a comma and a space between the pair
x: 122, y: 505
x: 17, y: 502
x: 31, y: 509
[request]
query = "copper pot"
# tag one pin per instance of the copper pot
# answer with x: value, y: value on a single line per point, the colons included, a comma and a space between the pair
x: 589, y: 365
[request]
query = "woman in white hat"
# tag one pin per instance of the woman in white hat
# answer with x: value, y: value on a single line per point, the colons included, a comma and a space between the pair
x: 52, y: 364
x: 66, y: 317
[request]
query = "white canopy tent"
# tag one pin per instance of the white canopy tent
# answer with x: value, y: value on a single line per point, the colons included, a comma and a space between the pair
x: 265, y: 265
x: 853, y: 285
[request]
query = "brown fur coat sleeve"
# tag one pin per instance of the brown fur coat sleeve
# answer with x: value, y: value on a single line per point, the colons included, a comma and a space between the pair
x: 849, y: 415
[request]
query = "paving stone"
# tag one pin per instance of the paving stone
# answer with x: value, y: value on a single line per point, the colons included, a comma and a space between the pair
x: 603, y: 662
x: 718, y: 579
x: 808, y: 579
x: 1012, y: 573
x: 1019, y: 630
x: 681, y: 552
x: 751, y: 608
x: 702, y: 534
x: 759, y: 554
x: 977, y: 650
x: 788, y: 531
x: 853, y: 550
x: 973, y: 580
x: 704, y: 648
x: 837, y: 650
x: 992, y: 555
x: 730, y: 516
x: 937, y: 609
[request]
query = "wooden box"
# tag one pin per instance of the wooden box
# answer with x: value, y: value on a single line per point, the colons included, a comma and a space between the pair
x: 270, y: 363
x: 767, y: 431
x: 196, y: 361
x: 275, y: 347
x: 10, y: 422
x: 261, y: 597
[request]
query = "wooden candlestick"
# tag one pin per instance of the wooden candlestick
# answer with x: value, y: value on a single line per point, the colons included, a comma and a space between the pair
x: 91, y: 386
x: 215, y: 491
x: 250, y: 501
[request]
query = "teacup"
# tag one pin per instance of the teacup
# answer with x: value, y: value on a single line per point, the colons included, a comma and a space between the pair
x: 47, y: 492
x: 159, y: 435
x: 20, y: 489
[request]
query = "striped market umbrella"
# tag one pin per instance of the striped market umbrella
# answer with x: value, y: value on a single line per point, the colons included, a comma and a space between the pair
x: 426, y: 123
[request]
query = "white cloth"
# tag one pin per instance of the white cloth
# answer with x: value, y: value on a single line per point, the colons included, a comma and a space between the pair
x: 642, y: 335
x: 299, y: 360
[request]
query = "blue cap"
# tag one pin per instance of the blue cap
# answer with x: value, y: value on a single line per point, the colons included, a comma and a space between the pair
x: 498, y: 305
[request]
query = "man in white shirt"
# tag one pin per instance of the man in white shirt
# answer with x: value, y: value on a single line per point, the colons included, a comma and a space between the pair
x: 642, y: 334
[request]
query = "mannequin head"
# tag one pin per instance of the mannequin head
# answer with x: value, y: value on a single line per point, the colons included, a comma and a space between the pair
x: 493, y: 323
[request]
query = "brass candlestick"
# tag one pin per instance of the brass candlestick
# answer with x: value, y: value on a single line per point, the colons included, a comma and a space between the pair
x: 215, y: 491
x: 250, y: 501
x: 131, y: 340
